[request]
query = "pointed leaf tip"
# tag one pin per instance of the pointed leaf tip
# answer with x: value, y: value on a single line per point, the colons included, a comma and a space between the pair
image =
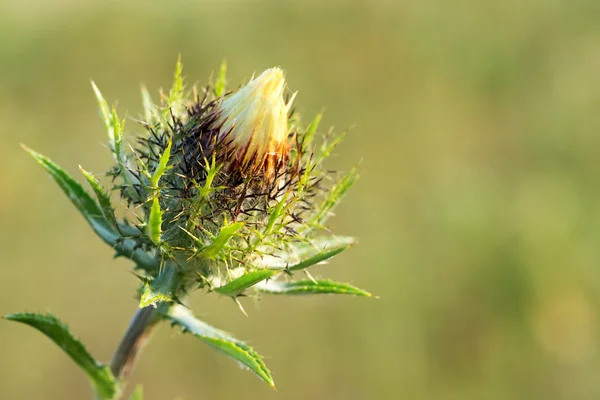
x: 221, y: 341
x: 86, y: 205
x: 221, y: 82
x: 306, y: 287
x: 225, y: 234
x: 103, y: 198
x: 239, y: 285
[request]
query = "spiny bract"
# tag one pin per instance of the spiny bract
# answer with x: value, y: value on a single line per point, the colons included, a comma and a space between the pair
x: 226, y: 189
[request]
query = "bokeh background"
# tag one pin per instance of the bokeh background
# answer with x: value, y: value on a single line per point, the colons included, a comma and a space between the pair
x: 478, y: 210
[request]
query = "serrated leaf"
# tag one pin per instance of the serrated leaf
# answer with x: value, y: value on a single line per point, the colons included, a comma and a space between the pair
x: 151, y: 297
x: 100, y: 375
x: 176, y: 93
x: 103, y: 198
x: 118, y: 128
x: 162, y: 288
x: 114, y: 126
x: 161, y: 168
x: 322, y: 243
x: 150, y: 113
x: 310, y: 287
x: 221, y: 82
x: 138, y: 394
x: 276, y: 214
x: 335, y: 195
x: 129, y: 248
x: 104, y: 108
x: 303, y: 254
x: 155, y: 222
x: 226, y: 233
x: 239, y: 285
x: 312, y: 129
x: 221, y: 341
x: 79, y: 197
x: 317, y: 258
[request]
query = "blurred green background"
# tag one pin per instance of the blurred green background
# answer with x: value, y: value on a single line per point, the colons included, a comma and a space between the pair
x: 478, y: 210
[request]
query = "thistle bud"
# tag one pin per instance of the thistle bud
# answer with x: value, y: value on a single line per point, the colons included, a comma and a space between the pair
x: 252, y: 125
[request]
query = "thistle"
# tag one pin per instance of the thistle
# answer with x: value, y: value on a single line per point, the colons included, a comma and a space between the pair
x: 225, y: 192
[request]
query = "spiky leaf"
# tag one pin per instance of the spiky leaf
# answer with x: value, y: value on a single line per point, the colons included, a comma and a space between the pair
x: 161, y: 168
x: 335, y: 195
x: 150, y: 111
x: 249, y: 279
x: 317, y: 258
x: 151, y: 297
x: 155, y: 221
x: 221, y: 82
x: 161, y: 289
x: 302, y: 255
x: 221, y: 341
x: 79, y: 197
x: 176, y: 93
x: 114, y: 126
x: 100, y: 375
x: 310, y: 287
x: 312, y: 129
x: 225, y: 234
x: 103, y: 198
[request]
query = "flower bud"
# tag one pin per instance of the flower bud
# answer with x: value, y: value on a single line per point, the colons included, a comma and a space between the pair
x: 252, y: 125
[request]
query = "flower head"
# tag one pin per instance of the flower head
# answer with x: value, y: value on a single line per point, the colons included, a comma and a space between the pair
x: 222, y: 200
x: 252, y: 124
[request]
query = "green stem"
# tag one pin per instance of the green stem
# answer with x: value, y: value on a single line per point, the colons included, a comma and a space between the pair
x: 136, y: 336
x: 139, y: 330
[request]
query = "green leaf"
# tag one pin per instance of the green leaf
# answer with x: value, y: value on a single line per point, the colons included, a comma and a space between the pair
x: 312, y: 129
x: 176, y: 94
x: 150, y: 112
x: 276, y: 214
x: 317, y: 258
x: 226, y: 233
x: 310, y: 287
x: 304, y: 254
x: 335, y: 195
x: 103, y: 198
x: 114, y: 126
x: 130, y: 248
x: 221, y: 82
x: 221, y: 341
x: 101, y: 377
x: 150, y: 297
x: 104, y: 108
x: 138, y: 394
x: 249, y: 279
x: 320, y: 244
x: 162, y: 288
x: 162, y: 165
x: 79, y: 197
x: 155, y: 222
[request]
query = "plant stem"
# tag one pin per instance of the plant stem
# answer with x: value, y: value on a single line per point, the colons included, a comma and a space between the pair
x: 136, y: 335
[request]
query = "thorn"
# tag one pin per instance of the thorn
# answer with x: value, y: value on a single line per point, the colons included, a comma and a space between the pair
x: 310, y: 277
x: 235, y: 299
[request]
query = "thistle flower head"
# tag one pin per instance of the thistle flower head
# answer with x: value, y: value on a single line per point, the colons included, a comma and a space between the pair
x: 223, y: 188
x: 221, y: 195
x: 252, y: 124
